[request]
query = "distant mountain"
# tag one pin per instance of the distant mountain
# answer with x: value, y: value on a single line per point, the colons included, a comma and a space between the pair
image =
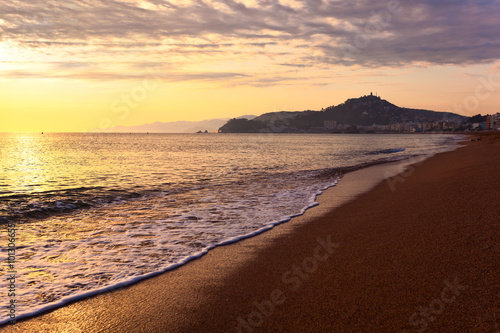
x: 210, y: 125
x: 356, y: 112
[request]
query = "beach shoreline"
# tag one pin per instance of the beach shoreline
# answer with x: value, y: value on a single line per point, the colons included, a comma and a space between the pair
x: 244, y: 279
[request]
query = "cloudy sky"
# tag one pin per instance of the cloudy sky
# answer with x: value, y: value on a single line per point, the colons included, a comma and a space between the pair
x: 79, y: 65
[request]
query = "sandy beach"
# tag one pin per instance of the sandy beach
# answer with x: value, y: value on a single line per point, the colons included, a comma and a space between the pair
x: 416, y: 252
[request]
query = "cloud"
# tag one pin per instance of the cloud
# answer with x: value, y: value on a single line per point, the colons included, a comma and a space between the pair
x: 90, y: 74
x: 301, y: 34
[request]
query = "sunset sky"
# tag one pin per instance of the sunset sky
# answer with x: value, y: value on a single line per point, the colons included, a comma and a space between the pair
x: 82, y: 65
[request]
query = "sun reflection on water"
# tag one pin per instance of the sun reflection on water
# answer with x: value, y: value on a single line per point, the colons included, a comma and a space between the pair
x: 25, y: 163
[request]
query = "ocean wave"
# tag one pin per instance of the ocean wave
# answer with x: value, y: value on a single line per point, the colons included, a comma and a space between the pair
x: 45, y: 204
x: 386, y: 151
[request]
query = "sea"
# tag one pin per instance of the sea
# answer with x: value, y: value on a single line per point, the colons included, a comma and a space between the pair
x: 96, y: 211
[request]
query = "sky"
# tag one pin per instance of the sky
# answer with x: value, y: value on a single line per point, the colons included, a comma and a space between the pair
x: 77, y: 66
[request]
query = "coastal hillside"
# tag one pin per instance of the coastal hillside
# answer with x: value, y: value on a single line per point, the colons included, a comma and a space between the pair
x: 366, y: 113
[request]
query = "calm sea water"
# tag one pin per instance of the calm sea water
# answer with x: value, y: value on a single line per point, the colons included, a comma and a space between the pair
x: 97, y: 210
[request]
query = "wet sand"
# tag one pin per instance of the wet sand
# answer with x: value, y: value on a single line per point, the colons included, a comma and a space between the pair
x: 418, y: 252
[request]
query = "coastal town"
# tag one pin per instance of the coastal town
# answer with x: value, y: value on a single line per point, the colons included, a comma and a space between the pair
x: 473, y: 124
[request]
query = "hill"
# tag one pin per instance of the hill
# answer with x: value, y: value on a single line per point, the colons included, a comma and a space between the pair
x: 364, y: 112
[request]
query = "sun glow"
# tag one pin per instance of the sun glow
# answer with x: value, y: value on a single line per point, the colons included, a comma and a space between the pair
x: 5, y: 54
